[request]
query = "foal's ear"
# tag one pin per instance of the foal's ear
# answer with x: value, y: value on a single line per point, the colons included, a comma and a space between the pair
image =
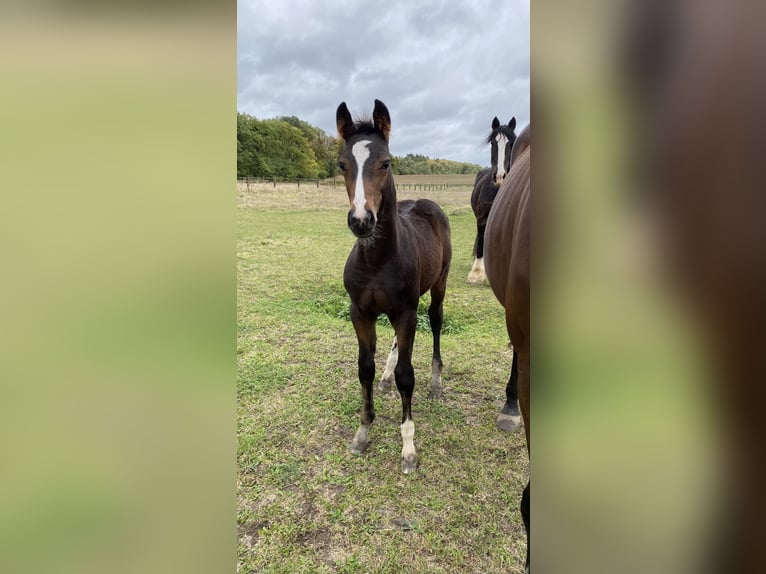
x: 343, y: 121
x: 495, y: 123
x: 512, y: 123
x: 381, y: 120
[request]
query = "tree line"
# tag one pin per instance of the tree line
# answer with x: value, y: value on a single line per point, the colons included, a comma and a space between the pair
x: 288, y: 147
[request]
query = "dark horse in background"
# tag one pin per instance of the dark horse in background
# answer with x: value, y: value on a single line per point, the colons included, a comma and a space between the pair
x: 485, y: 188
x: 507, y: 253
x: 403, y: 249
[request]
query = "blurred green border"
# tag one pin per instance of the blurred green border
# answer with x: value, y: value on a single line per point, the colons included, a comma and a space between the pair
x: 117, y: 165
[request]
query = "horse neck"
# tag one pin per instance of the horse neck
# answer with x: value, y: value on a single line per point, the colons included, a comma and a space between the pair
x: 387, y: 234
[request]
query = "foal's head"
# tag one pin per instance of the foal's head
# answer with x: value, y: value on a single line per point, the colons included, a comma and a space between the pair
x: 501, y: 139
x: 366, y: 165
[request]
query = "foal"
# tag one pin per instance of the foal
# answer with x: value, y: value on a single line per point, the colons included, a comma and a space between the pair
x: 402, y: 250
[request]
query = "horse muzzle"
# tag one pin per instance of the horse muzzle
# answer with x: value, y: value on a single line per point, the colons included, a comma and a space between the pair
x: 361, y: 227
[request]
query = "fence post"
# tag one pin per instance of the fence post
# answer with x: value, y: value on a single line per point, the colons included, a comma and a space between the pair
x: 299, y: 182
x: 274, y: 181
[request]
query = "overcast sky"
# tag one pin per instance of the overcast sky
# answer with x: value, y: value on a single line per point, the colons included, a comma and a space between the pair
x: 444, y: 68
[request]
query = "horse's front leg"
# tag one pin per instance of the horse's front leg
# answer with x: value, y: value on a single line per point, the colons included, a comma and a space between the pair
x: 405, y: 382
x: 365, y: 334
x: 436, y: 318
x: 477, y: 274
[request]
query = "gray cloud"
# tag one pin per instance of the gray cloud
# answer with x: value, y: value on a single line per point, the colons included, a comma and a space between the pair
x: 444, y: 68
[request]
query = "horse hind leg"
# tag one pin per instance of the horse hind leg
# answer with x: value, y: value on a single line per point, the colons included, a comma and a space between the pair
x: 436, y: 320
x: 388, y: 373
x: 509, y: 418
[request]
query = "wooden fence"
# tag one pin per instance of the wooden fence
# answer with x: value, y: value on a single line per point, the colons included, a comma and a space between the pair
x: 246, y: 182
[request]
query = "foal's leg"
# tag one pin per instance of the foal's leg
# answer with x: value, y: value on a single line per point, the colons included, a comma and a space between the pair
x: 436, y: 317
x: 509, y: 418
x: 365, y: 334
x: 388, y: 372
x: 405, y: 382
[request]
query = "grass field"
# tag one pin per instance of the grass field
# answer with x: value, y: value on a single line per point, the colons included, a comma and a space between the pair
x: 305, y: 503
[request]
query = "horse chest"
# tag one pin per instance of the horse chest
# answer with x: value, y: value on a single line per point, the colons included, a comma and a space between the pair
x: 380, y: 290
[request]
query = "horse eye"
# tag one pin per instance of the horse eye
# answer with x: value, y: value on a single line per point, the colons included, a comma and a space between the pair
x: 386, y: 164
x: 341, y: 166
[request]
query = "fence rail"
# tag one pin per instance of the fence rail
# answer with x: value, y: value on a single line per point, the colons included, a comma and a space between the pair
x: 246, y: 182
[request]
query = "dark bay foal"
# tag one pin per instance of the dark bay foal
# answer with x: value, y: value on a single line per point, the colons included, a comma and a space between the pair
x: 403, y: 249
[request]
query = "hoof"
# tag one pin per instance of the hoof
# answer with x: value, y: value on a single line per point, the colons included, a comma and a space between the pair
x: 385, y: 385
x: 508, y: 423
x: 475, y: 279
x: 435, y: 394
x: 409, y: 466
x: 359, y: 442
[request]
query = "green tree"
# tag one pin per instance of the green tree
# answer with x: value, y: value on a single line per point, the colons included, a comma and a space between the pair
x: 273, y: 148
x: 289, y: 147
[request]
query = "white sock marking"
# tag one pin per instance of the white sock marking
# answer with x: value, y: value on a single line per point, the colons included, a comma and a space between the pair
x: 408, y: 439
x: 359, y: 443
x: 477, y: 273
x: 393, y: 358
x: 361, y: 152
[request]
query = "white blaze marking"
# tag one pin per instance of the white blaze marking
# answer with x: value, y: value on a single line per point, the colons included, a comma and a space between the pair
x: 408, y: 436
x: 361, y: 152
x: 393, y: 357
x: 501, y: 143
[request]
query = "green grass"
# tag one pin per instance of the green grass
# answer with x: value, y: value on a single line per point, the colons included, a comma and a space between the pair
x: 305, y: 503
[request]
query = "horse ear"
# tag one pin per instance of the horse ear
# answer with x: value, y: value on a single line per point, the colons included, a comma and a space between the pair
x: 495, y: 123
x: 381, y: 120
x: 512, y: 123
x: 343, y: 121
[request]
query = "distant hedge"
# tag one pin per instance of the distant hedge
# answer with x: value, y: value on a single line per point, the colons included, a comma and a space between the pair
x: 288, y: 147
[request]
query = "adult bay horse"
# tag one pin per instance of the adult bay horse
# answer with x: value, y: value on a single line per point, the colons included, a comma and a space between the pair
x: 485, y: 187
x: 403, y: 249
x: 507, y: 265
